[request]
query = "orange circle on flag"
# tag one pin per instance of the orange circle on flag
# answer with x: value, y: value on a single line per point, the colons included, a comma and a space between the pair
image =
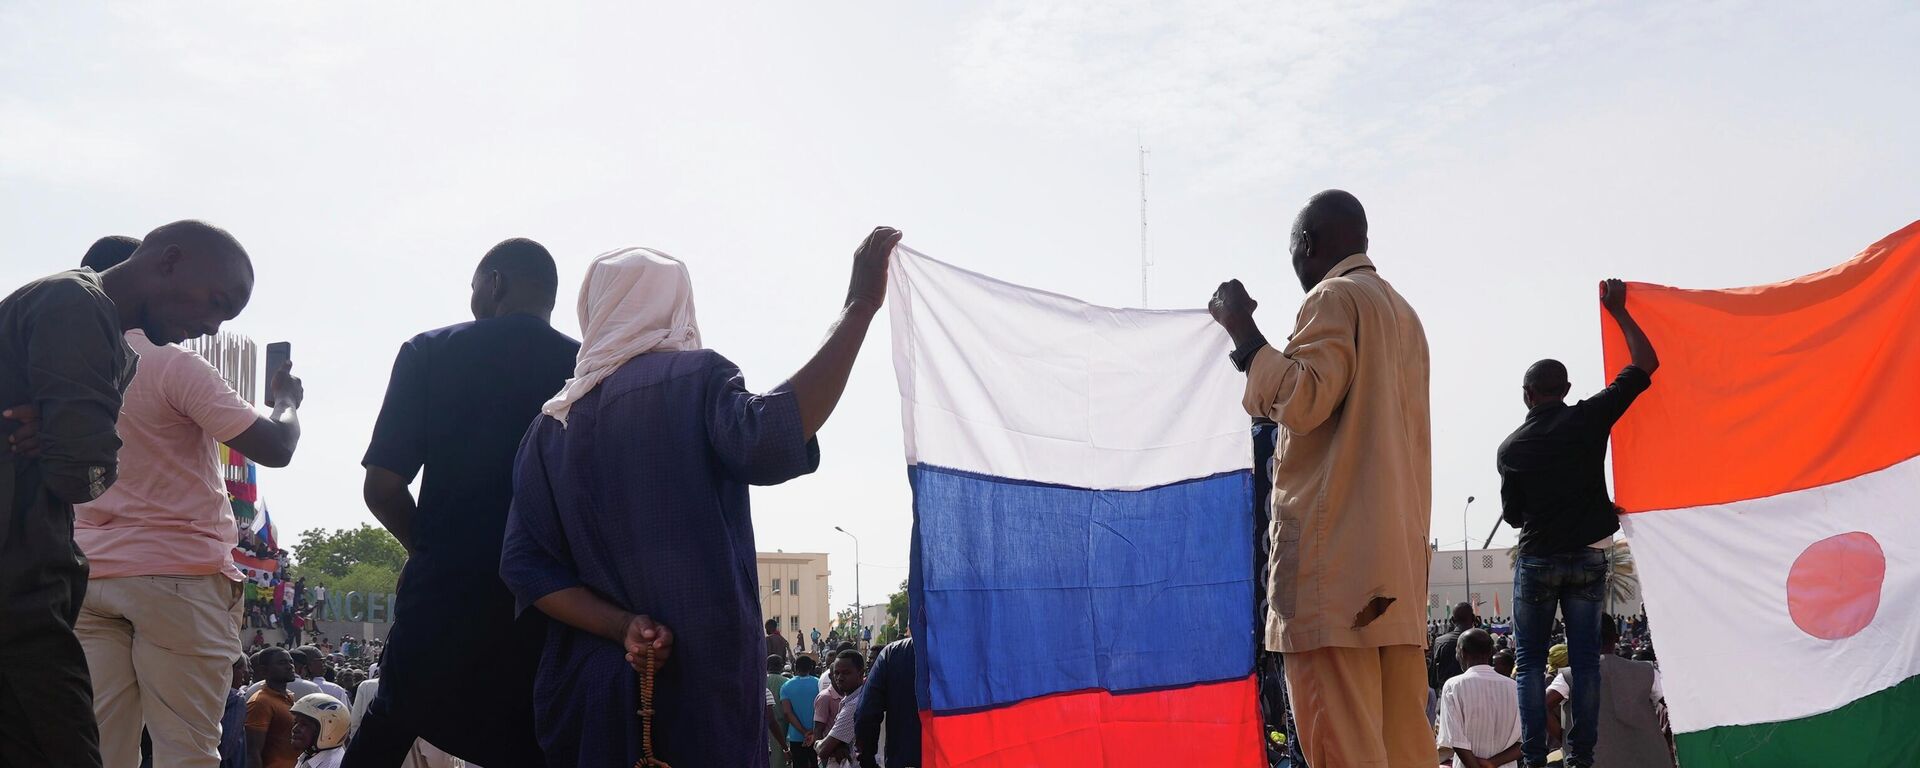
x: 1833, y: 590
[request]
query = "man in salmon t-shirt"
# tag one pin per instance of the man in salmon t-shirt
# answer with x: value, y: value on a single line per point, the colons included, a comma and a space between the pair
x: 160, y: 624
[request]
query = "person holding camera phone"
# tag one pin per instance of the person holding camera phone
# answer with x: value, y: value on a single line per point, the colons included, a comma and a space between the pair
x: 163, y: 597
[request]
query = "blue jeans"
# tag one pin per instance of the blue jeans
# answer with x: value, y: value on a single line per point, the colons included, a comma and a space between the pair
x: 1574, y: 583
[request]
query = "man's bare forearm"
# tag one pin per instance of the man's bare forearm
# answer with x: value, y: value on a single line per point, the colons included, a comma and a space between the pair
x: 818, y: 385
x: 580, y: 608
x: 391, y: 503
x: 1639, y: 347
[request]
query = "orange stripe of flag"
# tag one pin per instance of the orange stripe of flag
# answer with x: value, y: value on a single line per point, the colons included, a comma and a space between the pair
x: 1773, y: 388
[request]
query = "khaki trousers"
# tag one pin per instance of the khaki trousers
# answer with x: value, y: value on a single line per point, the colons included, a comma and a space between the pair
x: 161, y: 652
x: 1362, y: 707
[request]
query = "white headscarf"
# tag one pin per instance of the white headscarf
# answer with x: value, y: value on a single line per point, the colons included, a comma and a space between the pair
x: 634, y: 301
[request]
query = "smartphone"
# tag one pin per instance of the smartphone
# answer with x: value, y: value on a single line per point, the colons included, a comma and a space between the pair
x: 278, y: 353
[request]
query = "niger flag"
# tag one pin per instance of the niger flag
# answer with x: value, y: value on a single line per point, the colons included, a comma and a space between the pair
x: 1771, y: 480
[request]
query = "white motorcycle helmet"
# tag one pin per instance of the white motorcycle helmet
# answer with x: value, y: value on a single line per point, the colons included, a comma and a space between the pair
x: 333, y: 717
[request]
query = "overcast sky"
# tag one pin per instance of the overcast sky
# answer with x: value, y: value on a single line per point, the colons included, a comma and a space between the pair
x: 1509, y: 156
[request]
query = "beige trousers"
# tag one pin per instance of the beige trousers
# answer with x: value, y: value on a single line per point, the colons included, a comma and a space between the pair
x: 160, y: 650
x: 1362, y: 707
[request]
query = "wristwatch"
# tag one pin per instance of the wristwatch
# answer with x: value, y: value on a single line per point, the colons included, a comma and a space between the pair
x: 1242, y: 356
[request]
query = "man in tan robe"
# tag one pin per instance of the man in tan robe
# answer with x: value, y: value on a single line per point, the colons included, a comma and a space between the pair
x: 1352, y: 493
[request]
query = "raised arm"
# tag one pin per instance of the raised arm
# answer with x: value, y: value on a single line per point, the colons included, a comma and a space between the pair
x: 1301, y: 385
x: 1613, y: 296
x: 818, y: 384
x: 271, y: 440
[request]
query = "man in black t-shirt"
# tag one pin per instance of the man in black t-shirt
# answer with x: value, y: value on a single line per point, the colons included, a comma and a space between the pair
x: 459, y: 401
x: 1446, y: 660
x: 64, y: 368
x: 1553, y: 488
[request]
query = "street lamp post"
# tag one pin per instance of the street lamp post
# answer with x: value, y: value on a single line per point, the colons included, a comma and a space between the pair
x: 858, y: 606
x: 1466, y: 555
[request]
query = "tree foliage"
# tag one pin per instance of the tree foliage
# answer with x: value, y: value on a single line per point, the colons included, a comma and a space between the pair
x: 1623, y: 579
x: 363, y: 559
x: 896, y: 616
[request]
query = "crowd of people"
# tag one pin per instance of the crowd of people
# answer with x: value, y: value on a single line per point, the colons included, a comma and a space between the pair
x: 525, y: 558
x: 1483, y: 708
x: 115, y: 425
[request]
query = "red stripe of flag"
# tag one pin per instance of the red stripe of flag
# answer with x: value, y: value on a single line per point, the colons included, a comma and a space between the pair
x: 1214, y: 724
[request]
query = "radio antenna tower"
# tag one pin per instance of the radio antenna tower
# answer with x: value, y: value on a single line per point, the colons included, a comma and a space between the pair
x: 1146, y: 257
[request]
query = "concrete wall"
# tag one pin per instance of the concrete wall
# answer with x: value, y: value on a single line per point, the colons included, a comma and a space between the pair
x: 1492, y: 579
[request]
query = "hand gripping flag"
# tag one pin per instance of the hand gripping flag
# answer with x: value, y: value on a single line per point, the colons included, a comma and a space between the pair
x: 1771, y: 478
x: 1082, y: 560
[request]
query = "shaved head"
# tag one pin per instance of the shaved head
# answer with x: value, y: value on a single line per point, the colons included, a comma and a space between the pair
x: 182, y: 282
x: 1545, y: 382
x: 206, y: 244
x: 1329, y: 228
x: 1335, y: 213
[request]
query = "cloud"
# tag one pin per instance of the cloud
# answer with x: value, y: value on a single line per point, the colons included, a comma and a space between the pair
x: 1254, y: 88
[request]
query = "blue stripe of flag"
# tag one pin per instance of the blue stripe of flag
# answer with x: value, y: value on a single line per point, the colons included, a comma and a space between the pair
x: 1024, y: 589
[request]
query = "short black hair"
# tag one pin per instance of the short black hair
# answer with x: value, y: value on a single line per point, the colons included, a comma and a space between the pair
x: 775, y: 663
x: 524, y: 261
x: 107, y: 252
x: 1609, y: 629
x: 804, y: 665
x: 773, y: 624
x: 859, y: 662
x: 1476, y: 643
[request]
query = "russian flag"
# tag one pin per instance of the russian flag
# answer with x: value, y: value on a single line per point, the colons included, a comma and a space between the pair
x: 1082, y: 555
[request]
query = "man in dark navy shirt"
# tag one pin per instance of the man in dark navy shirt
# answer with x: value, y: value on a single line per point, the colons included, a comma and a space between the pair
x: 459, y: 667
x: 1553, y: 488
x: 890, y: 698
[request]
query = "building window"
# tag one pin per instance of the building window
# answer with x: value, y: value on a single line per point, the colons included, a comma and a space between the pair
x: 1475, y: 600
x: 793, y: 586
x: 1457, y: 564
x: 796, y: 623
x: 776, y: 586
x: 1486, y: 561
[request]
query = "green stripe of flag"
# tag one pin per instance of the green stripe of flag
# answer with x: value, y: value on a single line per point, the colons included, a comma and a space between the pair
x: 1881, y: 730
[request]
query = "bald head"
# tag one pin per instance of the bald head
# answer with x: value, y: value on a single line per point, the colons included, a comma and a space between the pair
x: 182, y: 282
x: 1329, y: 228
x: 1336, y: 214
x: 1545, y: 382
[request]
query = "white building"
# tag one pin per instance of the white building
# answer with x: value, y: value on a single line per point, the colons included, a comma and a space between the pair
x: 1490, y: 573
x: 793, y: 591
